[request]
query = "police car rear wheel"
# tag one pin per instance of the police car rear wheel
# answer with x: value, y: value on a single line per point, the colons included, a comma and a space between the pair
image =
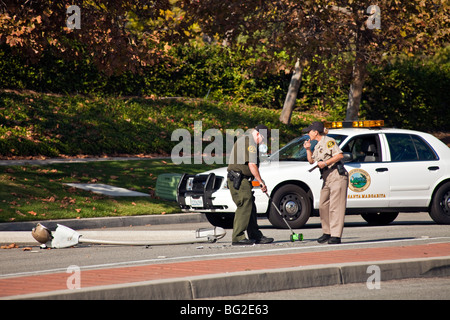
x: 223, y: 220
x: 379, y: 218
x: 293, y: 203
x: 440, y: 205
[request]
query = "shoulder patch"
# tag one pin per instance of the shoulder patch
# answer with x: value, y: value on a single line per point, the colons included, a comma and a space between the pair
x: 330, y: 144
x: 252, y: 149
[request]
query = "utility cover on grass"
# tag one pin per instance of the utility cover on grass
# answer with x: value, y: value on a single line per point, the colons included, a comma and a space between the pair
x: 107, y: 190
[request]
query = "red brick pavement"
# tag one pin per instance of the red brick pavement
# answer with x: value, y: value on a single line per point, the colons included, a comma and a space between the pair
x: 120, y: 275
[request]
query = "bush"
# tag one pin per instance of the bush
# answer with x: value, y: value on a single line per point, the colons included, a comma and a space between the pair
x: 411, y: 93
x: 191, y: 71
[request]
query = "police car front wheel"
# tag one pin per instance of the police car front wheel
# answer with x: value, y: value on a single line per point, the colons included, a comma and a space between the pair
x: 293, y: 203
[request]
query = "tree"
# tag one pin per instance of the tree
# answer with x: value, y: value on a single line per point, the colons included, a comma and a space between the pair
x: 291, y: 96
x: 390, y: 28
x: 298, y: 28
x: 115, y: 35
x: 327, y: 28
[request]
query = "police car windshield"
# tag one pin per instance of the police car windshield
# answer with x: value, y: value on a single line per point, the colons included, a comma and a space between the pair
x: 294, y: 151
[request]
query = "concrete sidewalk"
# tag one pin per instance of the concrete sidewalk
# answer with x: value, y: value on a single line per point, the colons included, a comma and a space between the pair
x: 233, y: 276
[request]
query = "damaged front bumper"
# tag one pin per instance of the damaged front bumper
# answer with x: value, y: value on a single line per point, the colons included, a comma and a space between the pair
x: 199, y: 192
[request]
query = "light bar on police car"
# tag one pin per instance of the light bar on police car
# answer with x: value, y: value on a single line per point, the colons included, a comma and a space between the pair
x: 354, y: 124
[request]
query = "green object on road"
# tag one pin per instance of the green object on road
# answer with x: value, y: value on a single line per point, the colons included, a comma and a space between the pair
x: 166, y: 186
x: 296, y: 237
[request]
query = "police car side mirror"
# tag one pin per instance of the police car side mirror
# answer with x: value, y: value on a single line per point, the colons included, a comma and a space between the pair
x: 348, y: 157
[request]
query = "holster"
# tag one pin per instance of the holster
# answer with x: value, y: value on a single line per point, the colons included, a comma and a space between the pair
x: 236, y: 177
x: 339, y: 166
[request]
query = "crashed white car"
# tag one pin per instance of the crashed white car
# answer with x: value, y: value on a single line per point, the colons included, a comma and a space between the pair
x: 390, y: 170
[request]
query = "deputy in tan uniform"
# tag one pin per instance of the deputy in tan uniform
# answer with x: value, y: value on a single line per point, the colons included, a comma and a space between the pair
x: 333, y: 196
x: 243, y: 167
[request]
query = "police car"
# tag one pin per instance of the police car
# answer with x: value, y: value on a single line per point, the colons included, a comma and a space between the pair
x: 390, y: 171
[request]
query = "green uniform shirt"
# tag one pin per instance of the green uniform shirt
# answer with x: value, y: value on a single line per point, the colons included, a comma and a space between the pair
x: 245, y: 151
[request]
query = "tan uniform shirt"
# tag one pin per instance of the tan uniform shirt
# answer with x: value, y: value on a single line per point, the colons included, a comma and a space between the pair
x: 325, y: 149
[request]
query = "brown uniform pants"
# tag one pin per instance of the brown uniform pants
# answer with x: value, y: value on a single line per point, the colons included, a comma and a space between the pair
x: 333, y: 200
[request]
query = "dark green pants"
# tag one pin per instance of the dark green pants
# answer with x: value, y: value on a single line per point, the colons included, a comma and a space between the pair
x: 245, y: 218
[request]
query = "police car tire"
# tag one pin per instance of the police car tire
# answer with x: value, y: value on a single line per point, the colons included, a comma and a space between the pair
x: 222, y: 220
x: 379, y: 218
x: 440, y: 205
x: 298, y: 195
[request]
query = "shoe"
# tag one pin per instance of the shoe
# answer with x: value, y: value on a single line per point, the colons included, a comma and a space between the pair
x: 334, y: 240
x: 243, y: 242
x: 324, y: 238
x: 264, y: 240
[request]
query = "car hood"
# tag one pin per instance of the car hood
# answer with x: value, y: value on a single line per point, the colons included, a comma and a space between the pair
x: 270, y: 168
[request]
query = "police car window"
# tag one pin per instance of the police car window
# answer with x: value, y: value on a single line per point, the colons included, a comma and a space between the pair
x: 365, y: 148
x: 293, y: 151
x: 338, y: 137
x: 407, y: 147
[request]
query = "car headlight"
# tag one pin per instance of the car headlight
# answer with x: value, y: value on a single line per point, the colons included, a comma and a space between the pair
x: 189, y: 184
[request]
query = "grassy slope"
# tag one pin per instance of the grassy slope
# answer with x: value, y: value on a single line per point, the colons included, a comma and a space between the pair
x: 46, y: 125
x: 51, y: 126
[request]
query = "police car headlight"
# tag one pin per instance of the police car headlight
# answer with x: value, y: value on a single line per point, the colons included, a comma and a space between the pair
x: 189, y: 184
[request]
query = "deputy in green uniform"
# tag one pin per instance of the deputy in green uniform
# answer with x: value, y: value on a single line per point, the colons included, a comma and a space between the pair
x: 243, y: 167
x: 333, y: 196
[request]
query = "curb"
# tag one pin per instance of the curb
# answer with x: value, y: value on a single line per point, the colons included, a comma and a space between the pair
x: 237, y: 283
x: 108, y: 222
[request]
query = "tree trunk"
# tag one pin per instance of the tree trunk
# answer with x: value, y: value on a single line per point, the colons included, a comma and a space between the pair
x: 291, y: 96
x: 356, y: 87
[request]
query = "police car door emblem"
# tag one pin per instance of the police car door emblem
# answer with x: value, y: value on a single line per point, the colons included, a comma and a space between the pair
x: 359, y: 180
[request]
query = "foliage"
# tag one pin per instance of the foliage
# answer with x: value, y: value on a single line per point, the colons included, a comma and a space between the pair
x: 218, y: 73
x: 307, y: 29
x: 411, y: 93
x: 192, y: 71
x: 117, y: 36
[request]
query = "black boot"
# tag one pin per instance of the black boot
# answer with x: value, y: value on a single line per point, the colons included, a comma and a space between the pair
x: 324, y: 238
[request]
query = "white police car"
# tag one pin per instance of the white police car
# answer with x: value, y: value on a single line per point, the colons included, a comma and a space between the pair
x: 390, y: 170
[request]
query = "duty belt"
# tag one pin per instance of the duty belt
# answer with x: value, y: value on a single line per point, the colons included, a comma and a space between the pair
x: 237, y: 177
